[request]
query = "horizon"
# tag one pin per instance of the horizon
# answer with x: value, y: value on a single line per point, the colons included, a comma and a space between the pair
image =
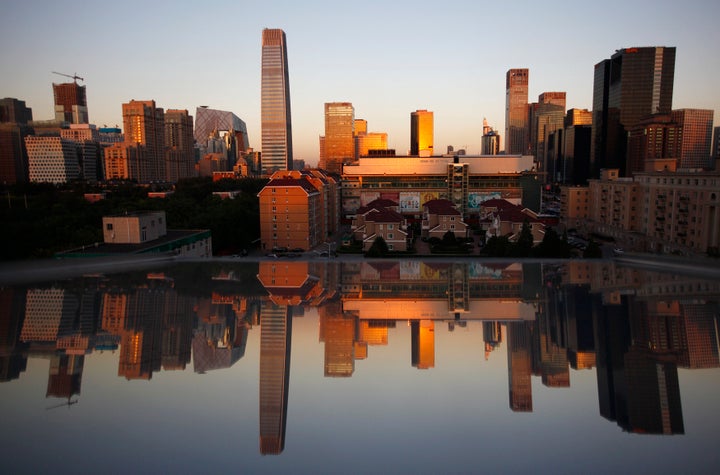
x: 213, y: 59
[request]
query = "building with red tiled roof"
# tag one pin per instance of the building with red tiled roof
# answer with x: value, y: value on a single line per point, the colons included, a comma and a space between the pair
x: 291, y: 214
x: 502, y: 218
x: 439, y: 217
x: 377, y: 221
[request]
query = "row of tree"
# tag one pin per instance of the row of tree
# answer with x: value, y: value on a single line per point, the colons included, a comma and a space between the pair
x: 42, y: 219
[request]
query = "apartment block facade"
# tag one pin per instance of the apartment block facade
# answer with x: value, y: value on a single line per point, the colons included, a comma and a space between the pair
x: 657, y: 211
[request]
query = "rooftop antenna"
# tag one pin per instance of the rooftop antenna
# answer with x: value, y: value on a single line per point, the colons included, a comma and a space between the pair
x: 75, y: 77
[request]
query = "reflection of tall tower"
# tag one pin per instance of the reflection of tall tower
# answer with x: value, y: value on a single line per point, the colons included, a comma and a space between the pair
x: 276, y: 126
x: 275, y: 331
x: 12, y: 312
x: 653, y: 394
x: 423, y: 344
x: 65, y: 376
x: 338, y: 332
x: 519, y: 351
x: 492, y: 336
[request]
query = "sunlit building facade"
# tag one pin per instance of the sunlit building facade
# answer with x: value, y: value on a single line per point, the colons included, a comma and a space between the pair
x: 70, y: 103
x: 413, y: 181
x: 144, y: 124
x: 657, y: 211
x: 277, y: 152
x: 421, y: 133
x: 517, y: 133
x: 53, y: 159
x: 338, y: 144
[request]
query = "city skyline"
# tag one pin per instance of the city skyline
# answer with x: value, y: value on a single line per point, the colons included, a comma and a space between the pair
x: 382, y: 76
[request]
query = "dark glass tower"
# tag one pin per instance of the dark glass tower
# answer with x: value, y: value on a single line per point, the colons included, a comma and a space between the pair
x: 275, y: 110
x: 633, y: 84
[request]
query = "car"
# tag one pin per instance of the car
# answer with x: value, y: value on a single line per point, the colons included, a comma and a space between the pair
x: 271, y: 254
x: 297, y: 249
x: 618, y: 250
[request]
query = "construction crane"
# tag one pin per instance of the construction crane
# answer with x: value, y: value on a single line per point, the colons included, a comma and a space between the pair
x: 75, y: 77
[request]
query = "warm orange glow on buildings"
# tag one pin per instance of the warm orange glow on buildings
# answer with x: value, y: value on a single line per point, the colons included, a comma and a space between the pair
x: 423, y: 344
x: 422, y: 133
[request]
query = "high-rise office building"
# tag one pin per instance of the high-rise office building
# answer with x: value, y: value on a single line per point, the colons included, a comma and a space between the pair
x: 70, y: 103
x: 275, y: 111
x: 519, y: 354
x: 490, y: 140
x: 14, y: 110
x: 546, y: 116
x: 370, y: 141
x: 516, y: 112
x: 421, y: 133
x: 422, y: 344
x: 633, y: 84
x: 144, y: 124
x: 275, y: 339
x: 696, y: 142
x: 716, y: 143
x: 338, y: 144
x: 179, y: 143
x: 53, y: 159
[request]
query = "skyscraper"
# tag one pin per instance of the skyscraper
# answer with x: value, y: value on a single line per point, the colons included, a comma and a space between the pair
x: 547, y: 116
x: 516, y: 111
x: 70, y: 103
x: 275, y: 111
x: 338, y: 144
x: 421, y: 132
x: 180, y: 153
x: 144, y: 125
x: 633, y: 84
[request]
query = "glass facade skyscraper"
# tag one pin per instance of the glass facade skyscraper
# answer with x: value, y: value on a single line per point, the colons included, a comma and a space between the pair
x: 421, y: 132
x: 275, y: 110
x: 517, y: 131
x: 338, y: 145
x: 632, y: 85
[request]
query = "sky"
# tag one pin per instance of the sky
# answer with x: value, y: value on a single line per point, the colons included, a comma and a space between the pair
x: 389, y: 58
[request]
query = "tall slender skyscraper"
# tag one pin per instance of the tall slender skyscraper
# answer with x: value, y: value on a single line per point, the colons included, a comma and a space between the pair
x: 275, y: 111
x: 633, y: 84
x: 517, y: 131
x: 338, y: 144
x: 421, y: 132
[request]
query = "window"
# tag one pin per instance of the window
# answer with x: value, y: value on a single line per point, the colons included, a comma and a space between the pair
x: 390, y: 235
x: 109, y: 226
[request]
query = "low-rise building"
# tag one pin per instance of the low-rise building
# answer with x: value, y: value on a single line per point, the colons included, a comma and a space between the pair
x: 574, y: 206
x: 374, y: 221
x: 441, y: 216
x: 658, y: 211
x: 145, y: 232
x: 502, y: 218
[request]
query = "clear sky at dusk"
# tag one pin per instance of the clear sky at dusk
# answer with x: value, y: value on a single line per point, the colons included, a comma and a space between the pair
x: 388, y: 58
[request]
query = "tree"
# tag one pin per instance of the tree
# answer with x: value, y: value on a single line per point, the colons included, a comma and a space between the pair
x: 525, y: 241
x: 552, y: 245
x: 593, y: 250
x: 379, y: 248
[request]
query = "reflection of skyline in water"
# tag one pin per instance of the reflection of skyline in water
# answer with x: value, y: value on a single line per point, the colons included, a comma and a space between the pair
x: 634, y: 328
